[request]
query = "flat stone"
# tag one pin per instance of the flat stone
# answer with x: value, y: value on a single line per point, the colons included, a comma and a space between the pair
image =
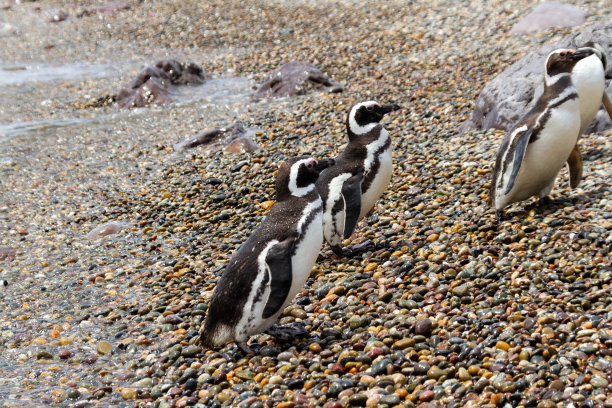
x: 547, y: 15
x: 104, y: 347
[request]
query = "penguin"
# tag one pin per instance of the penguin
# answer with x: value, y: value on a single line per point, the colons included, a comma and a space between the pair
x: 361, y: 173
x: 588, y: 76
x: 535, y: 149
x: 272, y: 266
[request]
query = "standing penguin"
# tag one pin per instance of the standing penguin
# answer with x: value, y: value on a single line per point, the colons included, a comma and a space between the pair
x: 588, y: 76
x: 351, y: 187
x: 535, y: 149
x: 272, y: 266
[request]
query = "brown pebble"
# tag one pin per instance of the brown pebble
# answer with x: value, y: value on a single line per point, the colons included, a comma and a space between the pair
x: 423, y: 327
x: 426, y: 395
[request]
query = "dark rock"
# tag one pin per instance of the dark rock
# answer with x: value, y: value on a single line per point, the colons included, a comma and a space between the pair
x: 152, y: 85
x: 294, y: 383
x: 505, y: 99
x: 82, y: 404
x: 295, y: 78
x: 190, y: 385
x: 547, y: 15
x: 269, y: 351
x: 421, y: 368
x: 106, y: 8
x: 58, y: 16
x: 213, y: 139
x: 423, y: 327
x: 173, y: 319
x: 380, y: 367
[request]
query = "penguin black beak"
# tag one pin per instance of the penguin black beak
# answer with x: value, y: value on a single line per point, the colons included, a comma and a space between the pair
x: 581, y: 53
x: 323, y: 164
x: 384, y: 109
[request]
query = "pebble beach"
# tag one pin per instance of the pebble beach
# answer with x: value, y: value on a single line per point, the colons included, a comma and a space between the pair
x: 112, y: 242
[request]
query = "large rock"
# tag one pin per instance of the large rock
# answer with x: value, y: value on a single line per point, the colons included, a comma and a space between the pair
x: 505, y: 99
x: 547, y: 15
x: 152, y: 85
x: 295, y: 78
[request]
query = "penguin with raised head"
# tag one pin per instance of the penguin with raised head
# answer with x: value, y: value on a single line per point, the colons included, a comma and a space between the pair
x: 350, y: 188
x: 588, y: 76
x: 272, y: 266
x: 535, y: 149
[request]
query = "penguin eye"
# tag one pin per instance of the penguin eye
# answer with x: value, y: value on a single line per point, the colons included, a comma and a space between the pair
x: 370, y: 108
x: 310, y: 164
x: 563, y: 53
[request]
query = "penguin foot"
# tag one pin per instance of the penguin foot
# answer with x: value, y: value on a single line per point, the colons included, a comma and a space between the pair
x: 499, y: 214
x: 287, y: 332
x: 244, y: 347
x: 545, y: 201
x: 338, y: 251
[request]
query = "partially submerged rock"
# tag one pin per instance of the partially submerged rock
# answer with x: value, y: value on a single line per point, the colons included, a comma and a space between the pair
x: 233, y: 138
x: 108, y: 228
x: 152, y: 86
x: 295, y: 78
x: 7, y: 253
x: 505, y: 99
x: 241, y: 145
x: 547, y: 15
x: 106, y: 8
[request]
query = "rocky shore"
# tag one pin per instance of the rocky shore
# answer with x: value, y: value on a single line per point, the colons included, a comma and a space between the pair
x: 448, y: 310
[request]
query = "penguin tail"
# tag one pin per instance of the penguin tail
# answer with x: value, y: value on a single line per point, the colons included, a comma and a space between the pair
x: 214, y: 336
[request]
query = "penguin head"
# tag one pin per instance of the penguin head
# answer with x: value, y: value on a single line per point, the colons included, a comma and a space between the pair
x: 598, y: 50
x: 296, y: 177
x: 364, y: 116
x: 562, y: 61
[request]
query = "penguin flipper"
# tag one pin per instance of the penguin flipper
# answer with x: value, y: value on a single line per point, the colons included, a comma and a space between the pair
x: 519, y: 152
x: 351, y: 192
x: 278, y: 261
x: 574, y: 162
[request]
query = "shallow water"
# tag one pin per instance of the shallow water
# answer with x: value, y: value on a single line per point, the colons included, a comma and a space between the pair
x: 217, y: 91
x: 21, y: 74
x: 42, y: 127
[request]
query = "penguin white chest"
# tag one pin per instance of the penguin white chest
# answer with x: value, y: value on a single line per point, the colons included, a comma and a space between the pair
x: 380, y: 182
x: 306, y: 253
x: 589, y: 79
x: 333, y: 224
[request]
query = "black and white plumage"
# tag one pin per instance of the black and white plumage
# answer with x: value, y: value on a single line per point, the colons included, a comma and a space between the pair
x: 271, y: 267
x: 535, y: 149
x: 351, y: 187
x: 588, y: 76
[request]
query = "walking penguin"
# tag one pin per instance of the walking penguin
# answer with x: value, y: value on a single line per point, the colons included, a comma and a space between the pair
x: 535, y: 149
x: 271, y: 267
x: 350, y: 188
